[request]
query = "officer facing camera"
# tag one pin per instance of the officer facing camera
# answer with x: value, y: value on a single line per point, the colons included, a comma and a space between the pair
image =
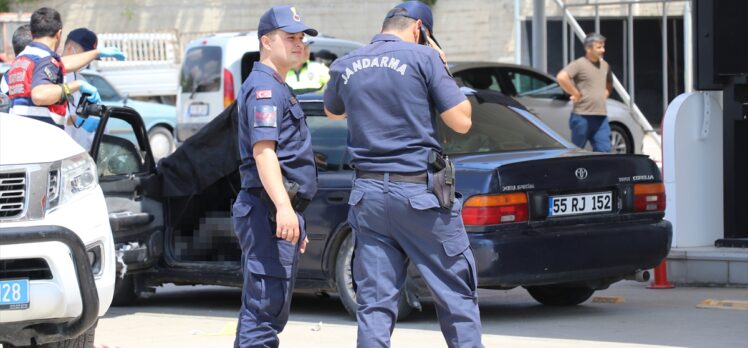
x: 278, y: 179
x: 403, y: 204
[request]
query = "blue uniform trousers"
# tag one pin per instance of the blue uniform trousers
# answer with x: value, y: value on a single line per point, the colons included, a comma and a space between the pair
x: 395, y: 222
x: 594, y: 129
x: 269, y: 266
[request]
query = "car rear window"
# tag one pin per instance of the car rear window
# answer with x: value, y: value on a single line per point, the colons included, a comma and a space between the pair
x: 201, y: 70
x: 496, y: 128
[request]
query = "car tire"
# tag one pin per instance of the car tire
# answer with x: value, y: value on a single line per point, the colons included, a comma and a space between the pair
x: 125, y: 292
x: 344, y: 281
x: 162, y: 142
x: 551, y: 295
x: 620, y: 140
x: 85, y: 340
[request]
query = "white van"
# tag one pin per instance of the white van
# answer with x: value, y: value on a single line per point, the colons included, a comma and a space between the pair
x: 214, y: 67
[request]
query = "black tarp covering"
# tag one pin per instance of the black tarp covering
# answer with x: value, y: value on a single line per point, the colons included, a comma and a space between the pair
x: 209, y: 155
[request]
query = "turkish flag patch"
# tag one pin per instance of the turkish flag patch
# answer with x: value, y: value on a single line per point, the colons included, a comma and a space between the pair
x: 264, y: 94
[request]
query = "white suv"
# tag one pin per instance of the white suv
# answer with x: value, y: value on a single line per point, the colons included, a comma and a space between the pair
x: 57, y: 262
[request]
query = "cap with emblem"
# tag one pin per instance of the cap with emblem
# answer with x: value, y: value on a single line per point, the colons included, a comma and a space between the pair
x: 415, y: 10
x: 84, y: 37
x: 285, y: 18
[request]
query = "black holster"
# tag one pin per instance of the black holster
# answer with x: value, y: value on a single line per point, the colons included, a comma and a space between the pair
x: 292, y: 188
x: 443, y: 178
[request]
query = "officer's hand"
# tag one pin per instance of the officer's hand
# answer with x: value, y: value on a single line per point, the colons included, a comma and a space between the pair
x: 436, y: 47
x: 89, y: 124
x: 111, y: 52
x: 287, y: 224
x: 87, y: 88
x: 302, y: 249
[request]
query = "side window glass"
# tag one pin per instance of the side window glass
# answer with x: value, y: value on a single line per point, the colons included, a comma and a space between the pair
x: 119, y: 153
x: 530, y: 84
x: 482, y: 78
x: 328, y: 142
x: 106, y: 91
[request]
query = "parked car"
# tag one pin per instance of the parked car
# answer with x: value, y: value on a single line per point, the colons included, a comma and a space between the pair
x: 57, y: 261
x: 543, y: 97
x: 214, y: 67
x: 540, y: 213
x: 160, y: 119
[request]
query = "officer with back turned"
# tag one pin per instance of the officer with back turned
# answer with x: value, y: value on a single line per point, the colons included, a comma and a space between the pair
x: 402, y: 204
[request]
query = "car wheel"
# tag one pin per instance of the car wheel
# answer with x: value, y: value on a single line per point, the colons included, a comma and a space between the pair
x: 162, y: 142
x: 124, y: 291
x: 344, y: 281
x: 620, y: 141
x: 551, y: 295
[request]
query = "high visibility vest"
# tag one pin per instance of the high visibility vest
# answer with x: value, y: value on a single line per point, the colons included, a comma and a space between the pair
x: 313, y: 76
x: 19, y: 80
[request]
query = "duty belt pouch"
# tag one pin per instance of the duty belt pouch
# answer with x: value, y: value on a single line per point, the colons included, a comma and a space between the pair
x: 444, y: 180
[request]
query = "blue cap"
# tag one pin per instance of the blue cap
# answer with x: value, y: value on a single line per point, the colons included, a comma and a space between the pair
x: 285, y: 18
x: 84, y: 37
x: 415, y: 10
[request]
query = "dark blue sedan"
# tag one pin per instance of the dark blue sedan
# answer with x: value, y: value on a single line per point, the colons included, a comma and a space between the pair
x: 540, y: 213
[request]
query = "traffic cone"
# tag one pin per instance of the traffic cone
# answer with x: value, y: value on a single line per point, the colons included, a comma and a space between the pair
x: 660, y: 279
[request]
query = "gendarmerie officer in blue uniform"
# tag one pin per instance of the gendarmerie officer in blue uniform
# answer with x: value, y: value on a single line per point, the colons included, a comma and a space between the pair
x: 278, y: 178
x: 389, y: 91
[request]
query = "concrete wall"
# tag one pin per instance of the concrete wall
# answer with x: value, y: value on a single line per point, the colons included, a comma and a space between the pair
x: 467, y: 29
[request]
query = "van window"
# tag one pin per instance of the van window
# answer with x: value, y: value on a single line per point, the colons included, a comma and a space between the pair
x: 201, y: 70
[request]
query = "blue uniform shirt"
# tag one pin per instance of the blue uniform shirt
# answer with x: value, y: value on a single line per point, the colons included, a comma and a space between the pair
x: 390, y: 91
x: 268, y: 110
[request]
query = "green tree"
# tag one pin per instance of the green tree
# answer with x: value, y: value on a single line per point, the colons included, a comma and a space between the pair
x: 6, y: 4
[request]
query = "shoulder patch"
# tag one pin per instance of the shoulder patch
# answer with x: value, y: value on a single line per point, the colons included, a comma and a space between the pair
x: 264, y: 94
x: 265, y: 116
x: 51, y: 75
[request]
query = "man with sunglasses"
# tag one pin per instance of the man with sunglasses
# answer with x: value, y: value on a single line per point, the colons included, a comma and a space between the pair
x: 389, y: 90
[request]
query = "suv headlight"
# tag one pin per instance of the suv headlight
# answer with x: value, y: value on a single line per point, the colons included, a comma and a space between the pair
x: 74, y: 176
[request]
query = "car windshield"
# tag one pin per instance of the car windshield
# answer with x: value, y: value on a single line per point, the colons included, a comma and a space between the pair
x: 496, y: 128
x: 201, y: 70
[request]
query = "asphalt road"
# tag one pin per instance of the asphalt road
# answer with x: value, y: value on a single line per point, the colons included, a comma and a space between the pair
x: 626, y: 315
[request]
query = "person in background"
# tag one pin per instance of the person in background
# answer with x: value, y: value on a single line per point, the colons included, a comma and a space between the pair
x: 309, y: 76
x: 82, y: 130
x: 589, y: 82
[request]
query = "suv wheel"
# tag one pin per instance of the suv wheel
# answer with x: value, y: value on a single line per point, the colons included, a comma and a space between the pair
x: 555, y: 295
x: 620, y: 141
x: 85, y: 340
x: 344, y: 281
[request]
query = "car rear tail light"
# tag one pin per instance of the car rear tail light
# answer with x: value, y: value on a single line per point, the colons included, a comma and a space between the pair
x: 495, y: 209
x: 228, y: 88
x: 649, y: 197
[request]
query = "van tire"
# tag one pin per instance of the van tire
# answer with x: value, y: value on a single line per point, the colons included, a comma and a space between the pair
x: 162, y: 142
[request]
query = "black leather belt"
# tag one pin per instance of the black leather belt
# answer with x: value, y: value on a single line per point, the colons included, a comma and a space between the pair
x: 413, y: 178
x: 298, y: 203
